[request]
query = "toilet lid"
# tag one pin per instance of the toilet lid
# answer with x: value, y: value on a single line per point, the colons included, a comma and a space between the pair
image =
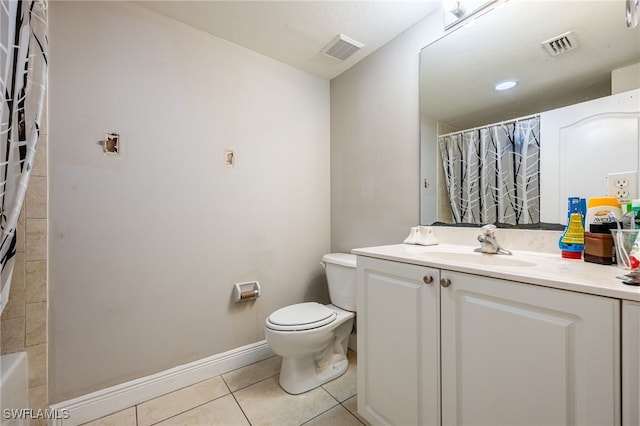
x: 301, y: 316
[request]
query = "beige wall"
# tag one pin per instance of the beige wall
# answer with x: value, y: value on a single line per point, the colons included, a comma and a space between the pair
x: 625, y: 79
x: 145, y: 247
x: 24, y: 319
x: 141, y: 267
x: 375, y: 138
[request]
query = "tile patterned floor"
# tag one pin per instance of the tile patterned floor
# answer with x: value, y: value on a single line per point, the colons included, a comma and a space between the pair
x: 248, y: 396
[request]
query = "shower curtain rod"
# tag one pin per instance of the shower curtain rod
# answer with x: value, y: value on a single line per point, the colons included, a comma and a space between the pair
x: 500, y: 123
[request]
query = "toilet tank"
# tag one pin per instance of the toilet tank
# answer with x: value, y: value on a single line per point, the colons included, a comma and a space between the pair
x: 341, y: 279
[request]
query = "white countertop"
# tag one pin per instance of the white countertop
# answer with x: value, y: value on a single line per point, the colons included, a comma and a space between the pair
x: 549, y: 270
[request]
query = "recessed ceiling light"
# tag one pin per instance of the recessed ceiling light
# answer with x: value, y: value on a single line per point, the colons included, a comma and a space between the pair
x: 505, y: 85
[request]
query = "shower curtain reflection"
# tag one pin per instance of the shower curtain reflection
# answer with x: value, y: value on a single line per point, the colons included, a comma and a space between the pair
x: 492, y: 173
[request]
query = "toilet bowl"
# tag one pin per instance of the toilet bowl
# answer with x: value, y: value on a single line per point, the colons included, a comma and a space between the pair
x: 312, y: 338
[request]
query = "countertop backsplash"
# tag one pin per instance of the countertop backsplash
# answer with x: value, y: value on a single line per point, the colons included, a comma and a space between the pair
x: 511, y: 239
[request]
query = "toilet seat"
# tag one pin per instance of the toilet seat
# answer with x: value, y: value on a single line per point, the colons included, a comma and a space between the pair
x: 301, y: 316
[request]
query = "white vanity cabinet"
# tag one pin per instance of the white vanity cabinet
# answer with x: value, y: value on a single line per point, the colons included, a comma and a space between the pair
x: 398, y: 351
x: 522, y: 354
x: 471, y: 350
x: 630, y: 363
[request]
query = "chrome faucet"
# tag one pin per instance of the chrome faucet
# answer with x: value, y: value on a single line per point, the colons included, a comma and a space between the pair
x: 488, y: 242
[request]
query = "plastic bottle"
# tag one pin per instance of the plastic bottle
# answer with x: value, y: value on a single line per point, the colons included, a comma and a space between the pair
x: 603, y: 210
x: 572, y: 239
x: 634, y: 254
x: 634, y: 208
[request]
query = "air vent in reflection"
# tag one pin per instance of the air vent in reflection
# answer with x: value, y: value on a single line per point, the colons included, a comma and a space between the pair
x: 560, y: 44
x: 342, y: 47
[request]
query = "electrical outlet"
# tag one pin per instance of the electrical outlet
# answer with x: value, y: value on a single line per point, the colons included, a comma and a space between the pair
x: 622, y: 194
x: 621, y: 182
x: 623, y: 185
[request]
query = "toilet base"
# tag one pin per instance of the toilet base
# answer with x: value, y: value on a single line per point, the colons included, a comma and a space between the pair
x: 312, y: 357
x: 299, y: 375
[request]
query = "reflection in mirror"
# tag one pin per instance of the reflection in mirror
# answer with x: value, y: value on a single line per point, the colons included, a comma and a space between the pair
x: 491, y: 173
x: 590, y: 54
x: 457, y: 11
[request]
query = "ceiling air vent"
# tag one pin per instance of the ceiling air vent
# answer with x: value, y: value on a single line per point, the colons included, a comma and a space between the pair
x: 560, y: 44
x: 342, y: 47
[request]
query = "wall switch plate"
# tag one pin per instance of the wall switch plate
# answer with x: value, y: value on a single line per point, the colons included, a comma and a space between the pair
x: 623, y: 185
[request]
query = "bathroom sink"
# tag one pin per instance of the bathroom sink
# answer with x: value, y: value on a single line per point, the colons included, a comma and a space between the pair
x: 478, y: 258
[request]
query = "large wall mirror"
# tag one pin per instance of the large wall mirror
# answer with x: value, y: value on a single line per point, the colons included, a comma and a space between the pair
x: 458, y: 73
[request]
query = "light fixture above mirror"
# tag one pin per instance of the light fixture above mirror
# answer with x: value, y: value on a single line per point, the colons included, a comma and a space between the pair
x: 454, y: 7
x: 457, y: 11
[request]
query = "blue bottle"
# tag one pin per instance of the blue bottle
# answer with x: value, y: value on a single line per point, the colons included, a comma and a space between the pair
x: 572, y: 239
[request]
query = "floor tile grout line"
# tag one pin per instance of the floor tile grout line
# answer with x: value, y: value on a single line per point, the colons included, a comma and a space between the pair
x: 354, y: 416
x: 191, y: 408
x: 331, y: 408
x: 208, y: 401
x: 255, y: 383
x: 337, y: 402
x: 186, y: 411
x: 350, y: 412
x: 248, y: 386
x: 249, y: 365
x: 240, y: 407
x: 233, y: 394
x: 181, y: 389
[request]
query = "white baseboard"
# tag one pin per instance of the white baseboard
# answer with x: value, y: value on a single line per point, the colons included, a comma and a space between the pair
x: 115, y: 398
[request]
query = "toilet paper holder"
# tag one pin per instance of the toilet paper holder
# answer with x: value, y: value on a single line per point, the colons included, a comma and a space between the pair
x: 243, y: 292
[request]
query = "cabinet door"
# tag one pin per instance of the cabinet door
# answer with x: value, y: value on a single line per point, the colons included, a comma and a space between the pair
x: 630, y: 363
x: 398, y: 348
x: 518, y: 354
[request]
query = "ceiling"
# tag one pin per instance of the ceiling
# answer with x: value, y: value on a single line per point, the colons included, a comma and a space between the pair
x: 296, y: 32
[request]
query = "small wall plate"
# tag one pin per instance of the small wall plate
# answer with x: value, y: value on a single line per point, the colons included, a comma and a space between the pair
x: 111, y: 143
x: 228, y: 158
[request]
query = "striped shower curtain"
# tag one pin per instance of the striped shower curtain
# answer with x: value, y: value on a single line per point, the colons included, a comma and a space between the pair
x: 492, y: 173
x: 23, y: 69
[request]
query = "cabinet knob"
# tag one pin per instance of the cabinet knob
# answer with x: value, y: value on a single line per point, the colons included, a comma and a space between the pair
x: 428, y: 279
x: 445, y: 282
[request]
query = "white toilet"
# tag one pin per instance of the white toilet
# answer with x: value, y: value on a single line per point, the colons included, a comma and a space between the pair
x: 312, y: 338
